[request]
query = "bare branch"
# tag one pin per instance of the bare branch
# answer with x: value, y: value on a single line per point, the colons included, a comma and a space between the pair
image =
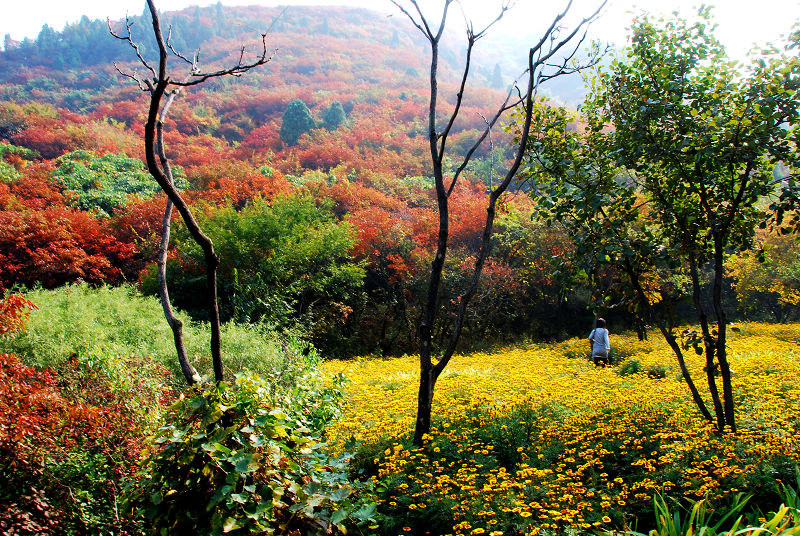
x: 459, y: 95
x: 503, y: 8
x: 133, y: 76
x: 486, y: 132
x: 131, y: 42
x: 198, y: 77
x: 175, y: 52
x: 559, y: 44
x: 426, y: 31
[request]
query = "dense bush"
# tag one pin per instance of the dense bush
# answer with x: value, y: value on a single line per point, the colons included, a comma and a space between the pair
x: 69, y: 438
x: 105, y: 184
x: 242, y: 458
x: 284, y: 263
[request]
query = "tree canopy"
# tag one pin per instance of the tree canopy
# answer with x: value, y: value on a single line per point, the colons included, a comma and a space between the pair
x: 696, y: 142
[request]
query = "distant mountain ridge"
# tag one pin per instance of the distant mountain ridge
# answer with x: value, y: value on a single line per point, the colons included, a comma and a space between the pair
x: 350, y: 47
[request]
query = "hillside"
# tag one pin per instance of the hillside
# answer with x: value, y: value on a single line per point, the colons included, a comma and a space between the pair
x: 373, y: 65
x: 71, y: 130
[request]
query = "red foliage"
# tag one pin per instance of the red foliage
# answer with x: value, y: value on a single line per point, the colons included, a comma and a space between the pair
x: 468, y: 214
x: 235, y: 182
x: 193, y: 151
x: 14, y: 312
x: 261, y: 139
x: 57, y: 245
x: 51, y: 137
x: 34, y: 190
x: 140, y: 221
x: 129, y: 112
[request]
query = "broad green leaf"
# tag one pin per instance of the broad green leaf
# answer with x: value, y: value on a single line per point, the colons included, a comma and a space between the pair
x: 230, y: 524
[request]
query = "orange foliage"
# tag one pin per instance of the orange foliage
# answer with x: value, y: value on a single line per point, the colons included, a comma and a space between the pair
x: 57, y: 245
x: 14, y: 311
x: 236, y: 182
x: 34, y: 190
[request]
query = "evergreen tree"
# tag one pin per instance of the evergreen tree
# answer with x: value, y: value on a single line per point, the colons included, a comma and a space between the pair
x: 47, y: 42
x: 334, y: 117
x: 497, y: 77
x: 296, y: 121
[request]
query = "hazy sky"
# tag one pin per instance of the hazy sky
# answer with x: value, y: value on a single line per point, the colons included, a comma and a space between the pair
x: 741, y: 22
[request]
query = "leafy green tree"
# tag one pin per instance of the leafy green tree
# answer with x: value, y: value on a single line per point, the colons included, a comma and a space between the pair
x: 334, y: 116
x: 700, y: 140
x: 284, y: 264
x: 295, y: 122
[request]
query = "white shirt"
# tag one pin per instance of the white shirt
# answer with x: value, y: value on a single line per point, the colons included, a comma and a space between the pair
x: 601, y: 342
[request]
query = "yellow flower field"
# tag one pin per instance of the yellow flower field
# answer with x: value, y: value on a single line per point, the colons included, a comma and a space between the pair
x: 536, y: 438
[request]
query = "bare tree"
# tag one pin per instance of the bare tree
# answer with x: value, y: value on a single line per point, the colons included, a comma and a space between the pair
x: 163, y: 90
x: 554, y: 54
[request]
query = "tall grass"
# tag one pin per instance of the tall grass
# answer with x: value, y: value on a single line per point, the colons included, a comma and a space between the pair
x: 119, y: 325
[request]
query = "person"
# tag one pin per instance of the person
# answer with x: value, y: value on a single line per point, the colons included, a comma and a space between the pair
x: 598, y: 339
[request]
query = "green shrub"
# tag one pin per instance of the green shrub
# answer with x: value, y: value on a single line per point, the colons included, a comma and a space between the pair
x: 105, y: 184
x: 658, y: 372
x: 284, y: 263
x: 631, y: 366
x: 236, y: 459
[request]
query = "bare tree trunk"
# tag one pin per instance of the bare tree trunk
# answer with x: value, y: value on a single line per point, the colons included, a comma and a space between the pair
x: 721, y: 341
x: 174, y: 323
x: 158, y: 166
x: 708, y: 343
x: 672, y: 342
x: 540, y: 56
x: 427, y: 381
x: 191, y: 224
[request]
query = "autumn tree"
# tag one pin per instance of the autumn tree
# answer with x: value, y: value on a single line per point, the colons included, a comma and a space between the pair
x: 551, y: 56
x: 767, y: 278
x: 163, y: 89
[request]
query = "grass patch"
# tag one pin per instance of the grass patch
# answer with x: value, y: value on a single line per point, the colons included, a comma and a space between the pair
x: 121, y: 327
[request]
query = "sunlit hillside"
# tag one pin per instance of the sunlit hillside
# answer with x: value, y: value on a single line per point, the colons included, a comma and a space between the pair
x: 374, y: 65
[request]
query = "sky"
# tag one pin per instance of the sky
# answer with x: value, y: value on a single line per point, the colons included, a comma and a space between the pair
x: 741, y: 23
